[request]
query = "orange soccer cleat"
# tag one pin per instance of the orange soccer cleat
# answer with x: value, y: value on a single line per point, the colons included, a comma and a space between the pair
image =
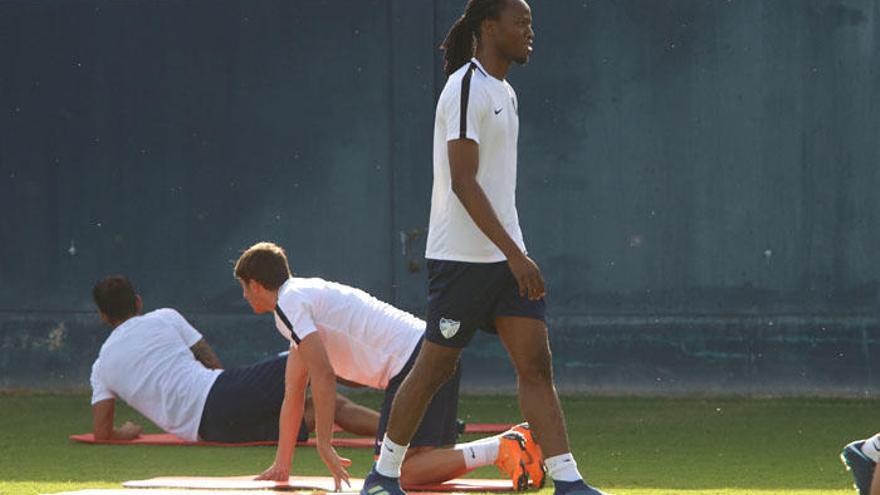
x: 512, y: 457
x: 534, y: 457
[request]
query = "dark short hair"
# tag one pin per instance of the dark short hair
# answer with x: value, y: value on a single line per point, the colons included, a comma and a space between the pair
x: 264, y: 262
x: 115, y: 297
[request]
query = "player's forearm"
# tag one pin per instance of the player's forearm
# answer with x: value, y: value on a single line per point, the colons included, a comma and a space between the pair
x: 211, y: 361
x: 288, y: 426
x: 206, y: 355
x: 476, y: 203
x: 324, y: 399
x: 104, y: 434
x: 103, y: 413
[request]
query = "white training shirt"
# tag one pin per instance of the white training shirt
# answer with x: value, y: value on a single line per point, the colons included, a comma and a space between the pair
x: 477, y: 106
x: 147, y: 362
x: 367, y: 341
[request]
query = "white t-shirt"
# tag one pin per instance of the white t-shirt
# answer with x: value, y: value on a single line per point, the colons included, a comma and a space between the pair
x: 147, y: 362
x: 367, y: 341
x: 474, y: 105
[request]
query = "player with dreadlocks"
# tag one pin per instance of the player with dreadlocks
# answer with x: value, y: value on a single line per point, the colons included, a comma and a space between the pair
x: 480, y: 276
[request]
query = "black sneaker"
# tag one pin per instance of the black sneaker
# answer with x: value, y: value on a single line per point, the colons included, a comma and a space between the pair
x: 376, y: 484
x: 860, y: 465
x: 575, y: 488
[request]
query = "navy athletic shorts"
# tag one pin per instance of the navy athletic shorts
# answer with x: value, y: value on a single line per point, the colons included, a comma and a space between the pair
x: 244, y: 404
x: 464, y: 297
x: 439, y: 426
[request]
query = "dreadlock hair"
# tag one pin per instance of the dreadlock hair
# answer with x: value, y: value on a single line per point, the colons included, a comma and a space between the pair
x: 458, y: 47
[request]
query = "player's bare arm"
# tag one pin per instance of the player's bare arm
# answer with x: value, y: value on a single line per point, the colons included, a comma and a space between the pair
x: 296, y: 379
x: 464, y: 157
x: 206, y: 355
x: 102, y: 423
x: 323, y: 383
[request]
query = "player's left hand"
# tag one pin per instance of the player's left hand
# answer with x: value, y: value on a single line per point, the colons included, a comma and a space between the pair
x: 335, y: 464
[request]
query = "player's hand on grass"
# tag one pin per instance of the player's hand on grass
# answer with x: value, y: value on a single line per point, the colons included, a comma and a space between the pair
x: 275, y: 473
x: 128, y: 431
x: 335, y: 464
x: 528, y: 276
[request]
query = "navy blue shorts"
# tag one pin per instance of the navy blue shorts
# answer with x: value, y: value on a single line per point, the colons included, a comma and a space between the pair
x: 439, y: 426
x: 244, y: 404
x: 465, y: 297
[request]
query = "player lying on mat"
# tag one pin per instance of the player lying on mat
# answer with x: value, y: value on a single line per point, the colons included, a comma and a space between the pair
x: 861, y: 458
x: 163, y: 367
x: 339, y: 331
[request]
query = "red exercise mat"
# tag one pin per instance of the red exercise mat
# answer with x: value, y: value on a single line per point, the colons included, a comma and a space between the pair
x: 167, y: 491
x: 342, y: 442
x: 169, y: 439
x: 300, y: 483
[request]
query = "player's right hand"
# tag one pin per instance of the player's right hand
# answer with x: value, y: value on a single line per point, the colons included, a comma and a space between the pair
x: 335, y: 464
x: 129, y: 431
x: 528, y: 276
x: 275, y: 473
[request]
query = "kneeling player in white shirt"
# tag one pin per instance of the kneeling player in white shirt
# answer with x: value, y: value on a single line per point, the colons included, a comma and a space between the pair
x: 339, y: 331
x: 163, y: 367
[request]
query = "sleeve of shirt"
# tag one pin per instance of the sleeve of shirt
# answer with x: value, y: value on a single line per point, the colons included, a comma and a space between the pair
x: 464, y: 111
x: 99, y: 390
x: 186, y: 331
x: 295, y: 317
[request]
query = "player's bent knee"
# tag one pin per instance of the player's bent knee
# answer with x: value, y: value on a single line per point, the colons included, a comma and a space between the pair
x: 342, y: 402
x: 537, y: 366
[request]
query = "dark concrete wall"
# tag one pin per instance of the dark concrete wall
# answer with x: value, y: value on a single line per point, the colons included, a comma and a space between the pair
x: 697, y: 178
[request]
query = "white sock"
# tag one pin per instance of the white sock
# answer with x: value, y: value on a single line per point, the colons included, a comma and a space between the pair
x: 480, y: 453
x: 871, y: 448
x: 390, y: 458
x: 563, y: 468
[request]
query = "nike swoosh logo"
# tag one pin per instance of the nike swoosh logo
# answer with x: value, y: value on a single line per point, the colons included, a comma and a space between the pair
x: 499, y: 110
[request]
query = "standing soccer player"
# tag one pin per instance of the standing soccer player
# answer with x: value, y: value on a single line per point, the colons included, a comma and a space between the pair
x: 479, y: 273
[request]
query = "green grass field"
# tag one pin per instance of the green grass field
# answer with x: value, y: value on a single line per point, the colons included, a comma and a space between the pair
x: 634, y: 446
